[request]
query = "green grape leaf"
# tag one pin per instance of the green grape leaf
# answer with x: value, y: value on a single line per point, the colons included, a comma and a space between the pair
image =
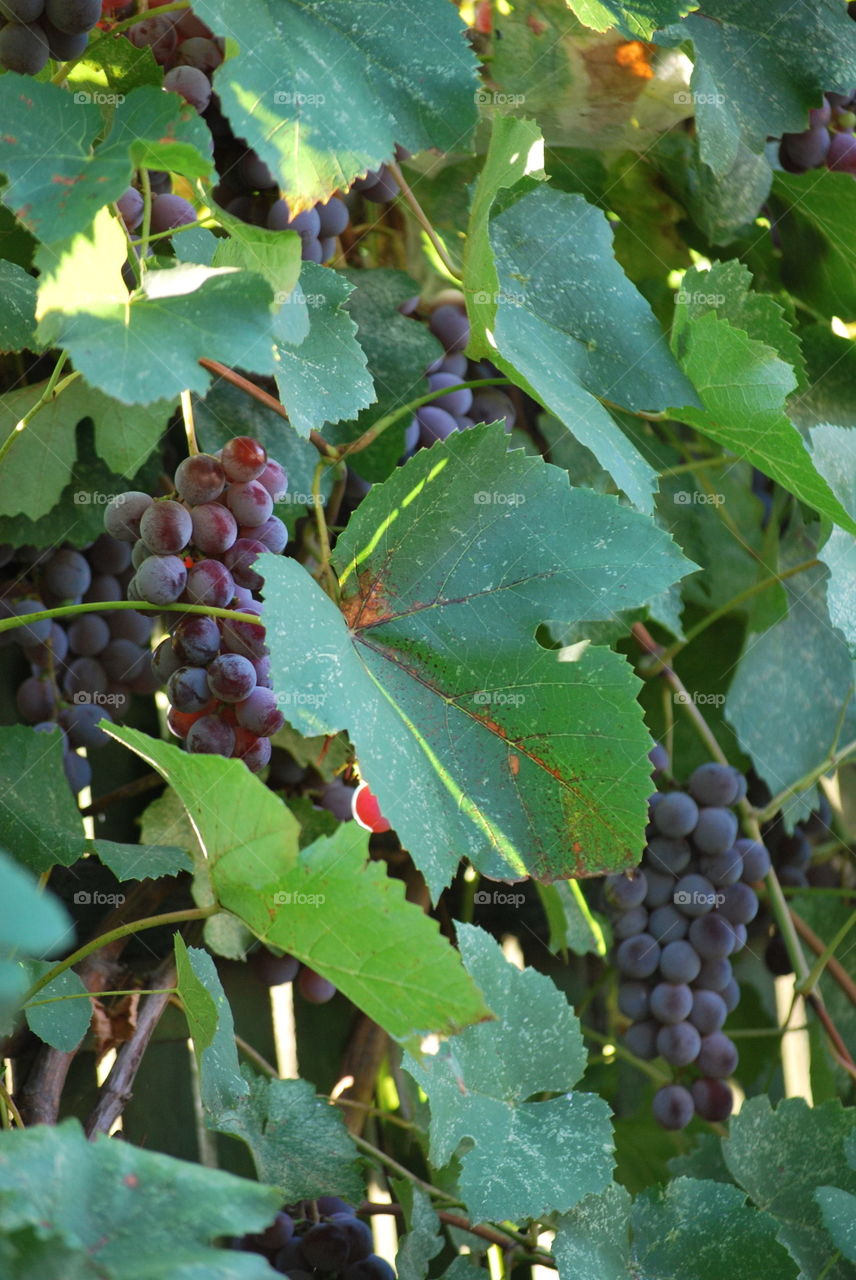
x: 779, y: 1157
x: 329, y: 907
x: 18, y: 319
x: 573, y: 340
x: 57, y: 192
x: 298, y: 1142
x: 59, y: 1021
x: 526, y: 1158
x: 138, y: 1214
x: 141, y: 861
x: 839, y: 1217
x: 813, y: 214
x: 274, y: 255
x: 39, y: 821
x: 754, y: 78
x: 743, y: 385
x: 41, y: 459
x: 324, y: 93
x: 570, y: 920
x: 32, y: 923
x: 406, y: 662
x: 422, y: 1240
x: 397, y: 349
x: 118, y: 344
x: 324, y: 377
x: 834, y: 455
x: 593, y: 1240
x: 110, y: 66
x: 721, y: 205
x: 637, y: 20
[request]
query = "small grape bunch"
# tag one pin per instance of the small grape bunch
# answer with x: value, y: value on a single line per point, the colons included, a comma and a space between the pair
x: 274, y: 970
x: 31, y: 31
x: 677, y: 920
x: 321, y: 1239
x: 199, y: 546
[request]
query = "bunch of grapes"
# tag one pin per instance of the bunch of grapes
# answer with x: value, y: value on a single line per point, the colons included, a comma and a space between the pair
x: 85, y: 668
x: 828, y: 141
x: 274, y: 970
x: 454, y: 410
x: 319, y: 1240
x: 31, y: 31
x: 677, y: 920
x: 199, y: 546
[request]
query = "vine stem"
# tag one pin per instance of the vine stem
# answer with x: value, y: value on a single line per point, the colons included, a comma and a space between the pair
x: 834, y: 968
x: 832, y: 761
x: 825, y: 956
x: 87, y: 995
x: 659, y: 1077
x: 69, y: 610
x: 123, y: 931
x: 146, y: 224
x: 423, y: 220
x: 730, y: 605
x: 326, y: 568
x: 400, y: 1169
x: 388, y: 420
x: 777, y: 901
x: 249, y: 388
x: 189, y: 424
x: 52, y: 389
x: 505, y: 1241
x: 9, y: 1105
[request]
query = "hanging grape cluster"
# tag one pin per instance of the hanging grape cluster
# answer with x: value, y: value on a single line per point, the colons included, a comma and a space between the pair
x: 677, y: 921
x: 319, y: 1239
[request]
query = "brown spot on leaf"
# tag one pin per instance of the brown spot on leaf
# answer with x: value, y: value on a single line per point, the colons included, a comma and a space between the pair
x: 369, y: 606
x: 513, y: 764
x: 635, y: 57
x: 131, y: 1180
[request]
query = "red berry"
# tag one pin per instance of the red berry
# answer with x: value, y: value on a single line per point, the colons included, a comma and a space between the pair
x: 366, y: 810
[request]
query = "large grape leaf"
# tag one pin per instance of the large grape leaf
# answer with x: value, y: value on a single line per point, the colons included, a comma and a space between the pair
x: 743, y: 384
x: 687, y: 1230
x: 41, y: 459
x: 323, y: 378
x: 341, y: 915
x: 147, y: 348
x: 60, y: 1013
x: 814, y: 214
x: 478, y: 742
x: 834, y: 454
x: 136, y: 1214
x: 57, y: 191
x: 298, y: 1142
x: 323, y: 92
x: 637, y: 20
x: 779, y: 1157
x: 39, y: 821
x: 759, y: 70
x: 18, y: 318
x: 566, y: 324
x: 32, y: 923
x: 526, y: 1158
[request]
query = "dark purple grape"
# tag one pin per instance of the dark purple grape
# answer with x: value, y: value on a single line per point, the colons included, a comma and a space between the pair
x: 191, y: 83
x: 196, y: 640
x: 165, y: 661
x: 333, y: 217
x: 36, y: 699
x: 633, y: 1000
x: 203, y: 53
x: 722, y: 868
x: 81, y: 724
x: 370, y: 1268
x: 450, y: 324
x: 313, y: 987
x: 131, y: 206
x: 714, y: 784
x: 243, y: 459
x: 731, y: 995
x: 454, y: 402
x: 625, y: 890
x: 708, y: 1011
x: 123, y: 513
x: 712, y: 936
x: 659, y: 758
x: 717, y: 1056
x: 77, y: 769
x: 170, y: 211
x: 492, y: 405
x: 676, y: 814
x: 713, y: 1099
x: 166, y: 528
x: 231, y: 677
x: 246, y: 638
x: 641, y: 1039
x: 672, y: 1106
x: 109, y: 555
x: 434, y: 424
x: 694, y: 895
x: 23, y: 48
x: 209, y: 735
x: 272, y: 534
x: 73, y: 17
x: 799, y: 152
x: 157, y: 34
x: 756, y: 859
x: 274, y: 480
x: 328, y: 1205
x: 671, y: 1002
x: 127, y: 624
x: 638, y: 957
x: 21, y: 10
x: 666, y: 924
x: 200, y: 478
x: 714, y: 975
x: 103, y: 587
x: 679, y: 962
x: 260, y: 714
x: 188, y: 689
x: 715, y: 831
x: 627, y: 923
x: 358, y: 1233
x: 214, y: 528
x: 325, y: 1247
x: 670, y: 857
x: 67, y: 575
x: 88, y: 635
x: 210, y: 582
x: 660, y: 889
x: 277, y: 1235
x: 240, y: 559
x: 124, y: 661
x: 841, y: 155
x: 679, y: 1043
x: 83, y: 678
x: 51, y: 651
x: 256, y: 755
x: 273, y: 970
x: 739, y: 903
x: 160, y: 580
x: 250, y: 503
